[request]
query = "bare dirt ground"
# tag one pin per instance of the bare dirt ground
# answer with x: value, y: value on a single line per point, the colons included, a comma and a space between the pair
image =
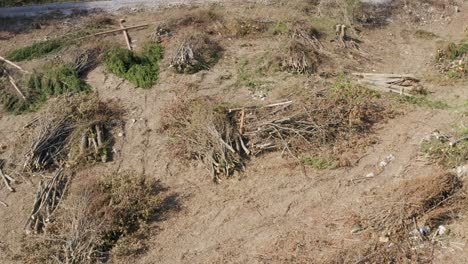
x: 277, y: 211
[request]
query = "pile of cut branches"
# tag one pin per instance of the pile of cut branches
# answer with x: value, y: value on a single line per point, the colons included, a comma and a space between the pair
x: 71, y: 130
x: 206, y: 133
x: 224, y: 138
x: 408, y: 221
x: 195, y: 53
x: 299, y: 58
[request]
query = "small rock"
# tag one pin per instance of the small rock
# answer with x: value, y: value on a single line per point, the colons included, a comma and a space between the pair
x: 441, y: 230
x: 384, y: 239
x: 461, y: 171
x: 370, y: 175
x: 121, y: 134
x: 425, y: 230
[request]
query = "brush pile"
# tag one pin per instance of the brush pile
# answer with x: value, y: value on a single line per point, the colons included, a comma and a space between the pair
x: 195, y: 53
x: 299, y: 58
x: 409, y: 221
x: 206, y: 133
x: 48, y: 147
x: 224, y: 138
x: 307, y: 35
x: 48, y: 197
x: 72, y: 130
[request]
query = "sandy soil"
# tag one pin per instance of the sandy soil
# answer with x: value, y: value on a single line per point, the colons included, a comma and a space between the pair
x: 275, y: 212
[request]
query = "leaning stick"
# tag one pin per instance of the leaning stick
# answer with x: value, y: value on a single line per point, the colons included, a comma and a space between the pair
x: 12, y: 81
x: 124, y: 31
x: 13, y: 64
x: 113, y: 31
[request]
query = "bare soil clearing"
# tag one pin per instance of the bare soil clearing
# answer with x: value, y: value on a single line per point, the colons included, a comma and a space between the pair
x: 277, y: 211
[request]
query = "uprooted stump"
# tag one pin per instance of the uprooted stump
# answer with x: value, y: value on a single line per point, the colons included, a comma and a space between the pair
x: 195, y: 53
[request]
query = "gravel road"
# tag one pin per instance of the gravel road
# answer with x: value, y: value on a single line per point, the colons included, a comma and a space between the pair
x: 109, y: 6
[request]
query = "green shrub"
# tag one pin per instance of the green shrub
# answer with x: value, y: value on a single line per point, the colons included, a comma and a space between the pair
x: 41, y: 86
x: 139, y: 70
x: 36, y: 50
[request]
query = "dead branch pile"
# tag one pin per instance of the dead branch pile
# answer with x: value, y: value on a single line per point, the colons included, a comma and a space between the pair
x: 410, y: 216
x: 299, y: 58
x: 195, y: 53
x: 306, y: 35
x: 7, y: 180
x: 73, y: 129
x: 48, y: 197
x: 403, y: 84
x: 48, y: 147
x: 207, y: 134
x: 96, y: 219
x: 224, y: 138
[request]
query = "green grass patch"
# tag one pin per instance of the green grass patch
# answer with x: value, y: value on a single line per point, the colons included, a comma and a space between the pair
x: 43, y: 48
x: 424, y: 101
x: 141, y: 70
x: 320, y: 163
x: 423, y: 34
x: 40, y: 86
x: 445, y: 154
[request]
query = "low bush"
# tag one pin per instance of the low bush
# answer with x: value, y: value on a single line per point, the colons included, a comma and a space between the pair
x: 141, y: 70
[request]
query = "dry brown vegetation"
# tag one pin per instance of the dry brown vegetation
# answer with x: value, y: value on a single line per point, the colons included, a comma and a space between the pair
x: 223, y: 138
x: 99, y: 215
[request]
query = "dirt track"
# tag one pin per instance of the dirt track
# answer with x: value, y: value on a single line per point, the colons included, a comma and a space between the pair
x: 109, y: 6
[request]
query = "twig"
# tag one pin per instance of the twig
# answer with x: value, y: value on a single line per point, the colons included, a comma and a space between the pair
x: 3, y: 203
x: 7, y: 183
x: 455, y: 142
x: 13, y: 64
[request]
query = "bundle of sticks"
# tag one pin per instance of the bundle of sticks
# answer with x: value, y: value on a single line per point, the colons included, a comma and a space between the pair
x: 49, y: 145
x: 92, y: 141
x: 48, y: 197
x: 404, y: 84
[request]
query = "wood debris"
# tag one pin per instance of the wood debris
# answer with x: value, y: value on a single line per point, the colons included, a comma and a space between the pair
x: 49, y: 145
x: 48, y: 196
x: 403, y: 84
x: 7, y: 180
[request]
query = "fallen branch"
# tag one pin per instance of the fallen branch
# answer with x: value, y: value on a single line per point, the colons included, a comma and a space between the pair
x: 266, y: 106
x: 113, y: 31
x: 13, y: 64
x: 12, y: 81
